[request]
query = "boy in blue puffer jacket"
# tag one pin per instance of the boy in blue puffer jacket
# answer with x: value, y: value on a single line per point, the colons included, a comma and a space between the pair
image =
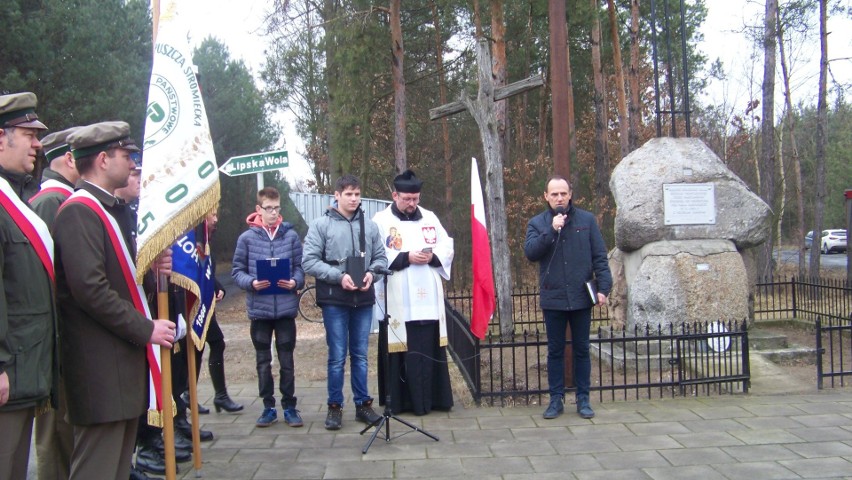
x: 270, y: 237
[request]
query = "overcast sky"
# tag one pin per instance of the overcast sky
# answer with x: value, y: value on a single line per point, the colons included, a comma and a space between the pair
x: 239, y: 28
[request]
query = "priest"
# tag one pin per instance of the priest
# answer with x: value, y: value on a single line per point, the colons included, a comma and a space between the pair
x: 420, y: 254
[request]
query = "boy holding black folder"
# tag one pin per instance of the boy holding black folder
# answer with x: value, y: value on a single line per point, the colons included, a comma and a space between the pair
x: 267, y: 264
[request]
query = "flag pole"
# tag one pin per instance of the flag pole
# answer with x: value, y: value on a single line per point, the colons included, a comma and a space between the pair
x: 166, y: 388
x: 165, y: 353
x: 193, y: 396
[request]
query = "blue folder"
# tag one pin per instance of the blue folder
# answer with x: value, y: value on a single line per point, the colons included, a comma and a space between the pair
x: 273, y: 269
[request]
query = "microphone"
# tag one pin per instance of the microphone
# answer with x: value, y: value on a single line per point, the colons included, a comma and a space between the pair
x: 560, y: 211
x: 383, y: 271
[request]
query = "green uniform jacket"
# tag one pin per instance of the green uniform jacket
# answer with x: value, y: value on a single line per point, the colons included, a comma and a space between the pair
x: 47, y: 204
x: 104, y: 368
x: 27, y: 311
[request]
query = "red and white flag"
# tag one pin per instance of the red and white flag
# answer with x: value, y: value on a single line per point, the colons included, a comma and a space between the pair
x: 483, y: 275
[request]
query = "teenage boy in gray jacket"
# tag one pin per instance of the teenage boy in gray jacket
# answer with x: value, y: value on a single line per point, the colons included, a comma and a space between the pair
x: 336, y: 242
x: 269, y: 237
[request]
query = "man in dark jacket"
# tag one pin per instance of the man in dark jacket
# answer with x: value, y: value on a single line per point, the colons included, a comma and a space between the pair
x: 58, y: 181
x: 569, y: 247
x: 27, y: 310
x: 338, y: 244
x: 105, y: 326
x: 54, y: 440
x: 272, y: 303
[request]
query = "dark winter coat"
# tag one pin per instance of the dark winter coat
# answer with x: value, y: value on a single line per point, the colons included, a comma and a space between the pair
x: 567, y: 259
x: 254, y: 244
x: 27, y: 312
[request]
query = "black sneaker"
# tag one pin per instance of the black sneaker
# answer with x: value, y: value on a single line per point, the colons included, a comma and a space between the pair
x: 334, y: 419
x: 365, y: 413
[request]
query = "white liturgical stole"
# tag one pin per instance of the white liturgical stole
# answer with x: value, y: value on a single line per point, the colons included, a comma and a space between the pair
x: 416, y: 292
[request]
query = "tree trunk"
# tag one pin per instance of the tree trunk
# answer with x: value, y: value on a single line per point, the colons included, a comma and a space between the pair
x: 822, y: 107
x: 623, y: 133
x: 335, y: 155
x: 499, y: 72
x: 477, y: 20
x: 572, y: 124
x: 445, y: 128
x: 635, y: 105
x: 542, y: 115
x: 799, y: 230
x: 559, y: 86
x: 482, y: 110
x: 768, y: 158
x: 601, y: 147
x: 398, y: 87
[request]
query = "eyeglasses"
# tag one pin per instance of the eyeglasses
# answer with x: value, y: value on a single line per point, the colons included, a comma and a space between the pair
x: 272, y: 209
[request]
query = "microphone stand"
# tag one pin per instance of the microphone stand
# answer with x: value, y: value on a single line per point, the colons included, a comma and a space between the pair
x: 384, y: 355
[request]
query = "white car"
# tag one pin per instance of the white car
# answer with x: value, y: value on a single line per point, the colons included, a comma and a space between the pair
x: 833, y: 241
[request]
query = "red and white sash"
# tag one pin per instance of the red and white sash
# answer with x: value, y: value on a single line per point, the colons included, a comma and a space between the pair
x: 30, y: 224
x: 128, y: 269
x: 53, y: 186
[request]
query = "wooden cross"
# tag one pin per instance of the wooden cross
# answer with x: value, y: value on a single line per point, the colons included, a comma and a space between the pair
x: 482, y: 109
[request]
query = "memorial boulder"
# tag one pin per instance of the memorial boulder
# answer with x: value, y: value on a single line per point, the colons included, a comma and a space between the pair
x: 682, y: 223
x: 638, y: 182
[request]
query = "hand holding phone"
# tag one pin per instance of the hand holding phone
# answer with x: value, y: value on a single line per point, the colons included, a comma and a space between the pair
x: 427, y: 250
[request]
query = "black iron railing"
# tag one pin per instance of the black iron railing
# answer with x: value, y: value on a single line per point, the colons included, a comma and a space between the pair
x: 802, y: 299
x: 685, y: 363
x: 834, y: 351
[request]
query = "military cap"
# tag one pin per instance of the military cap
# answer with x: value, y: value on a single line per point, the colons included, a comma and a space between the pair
x: 407, y: 182
x: 101, y: 137
x: 18, y: 110
x: 56, y: 144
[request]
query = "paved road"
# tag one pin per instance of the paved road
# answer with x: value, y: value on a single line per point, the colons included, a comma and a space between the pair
x: 834, y: 261
x: 748, y: 437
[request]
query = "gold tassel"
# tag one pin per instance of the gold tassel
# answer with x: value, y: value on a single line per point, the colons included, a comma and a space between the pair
x: 155, y: 417
x: 187, y: 218
x: 43, y: 408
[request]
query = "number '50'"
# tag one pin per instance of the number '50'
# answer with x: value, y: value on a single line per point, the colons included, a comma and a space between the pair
x: 176, y: 194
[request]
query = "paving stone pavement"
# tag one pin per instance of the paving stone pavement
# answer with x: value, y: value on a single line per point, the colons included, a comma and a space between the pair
x: 783, y: 436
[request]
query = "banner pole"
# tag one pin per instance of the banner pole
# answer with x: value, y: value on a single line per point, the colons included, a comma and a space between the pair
x: 193, y: 397
x: 166, y: 388
x: 167, y: 414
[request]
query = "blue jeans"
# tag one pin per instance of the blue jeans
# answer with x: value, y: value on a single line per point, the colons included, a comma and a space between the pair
x: 556, y: 321
x: 347, y: 328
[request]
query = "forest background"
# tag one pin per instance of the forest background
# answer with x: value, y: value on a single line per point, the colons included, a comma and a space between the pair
x: 342, y: 66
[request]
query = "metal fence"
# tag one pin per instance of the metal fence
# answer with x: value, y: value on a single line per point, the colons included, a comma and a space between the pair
x: 686, y: 360
x: 641, y: 363
x: 802, y: 298
x: 834, y: 351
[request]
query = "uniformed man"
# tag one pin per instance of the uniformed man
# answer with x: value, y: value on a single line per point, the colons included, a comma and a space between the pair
x: 104, y: 320
x: 54, y: 436
x: 27, y: 312
x: 58, y: 181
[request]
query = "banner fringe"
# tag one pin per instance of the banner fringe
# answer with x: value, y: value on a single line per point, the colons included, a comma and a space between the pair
x: 188, y: 218
x: 199, y: 342
x: 155, y: 417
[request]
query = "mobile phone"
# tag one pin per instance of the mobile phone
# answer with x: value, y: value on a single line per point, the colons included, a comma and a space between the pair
x: 427, y: 250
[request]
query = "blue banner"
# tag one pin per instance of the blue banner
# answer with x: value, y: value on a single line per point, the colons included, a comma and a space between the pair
x: 192, y: 269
